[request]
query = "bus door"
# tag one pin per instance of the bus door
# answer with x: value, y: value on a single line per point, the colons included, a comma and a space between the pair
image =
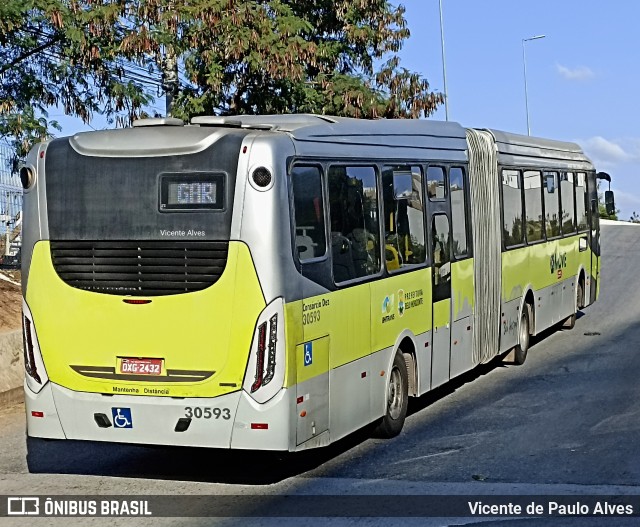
x: 595, y: 253
x: 312, y: 349
x: 594, y: 221
x: 441, y: 298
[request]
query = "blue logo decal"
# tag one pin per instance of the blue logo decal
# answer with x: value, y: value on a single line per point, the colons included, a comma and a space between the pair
x: 308, y: 353
x: 122, y: 417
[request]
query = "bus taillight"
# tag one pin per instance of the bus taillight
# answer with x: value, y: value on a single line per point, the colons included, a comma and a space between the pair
x: 271, y: 359
x: 262, y: 337
x: 36, y: 374
x: 29, y: 359
x: 265, y: 372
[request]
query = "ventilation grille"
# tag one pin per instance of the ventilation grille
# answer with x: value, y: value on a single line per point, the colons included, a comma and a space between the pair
x: 139, y: 268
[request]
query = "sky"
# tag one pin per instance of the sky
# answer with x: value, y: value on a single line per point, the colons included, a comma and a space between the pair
x: 582, y: 77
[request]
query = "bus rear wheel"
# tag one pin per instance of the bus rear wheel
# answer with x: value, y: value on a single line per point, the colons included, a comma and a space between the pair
x: 397, y: 400
x: 521, y: 349
x: 570, y: 321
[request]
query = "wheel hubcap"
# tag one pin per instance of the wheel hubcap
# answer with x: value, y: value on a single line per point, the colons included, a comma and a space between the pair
x: 394, y: 401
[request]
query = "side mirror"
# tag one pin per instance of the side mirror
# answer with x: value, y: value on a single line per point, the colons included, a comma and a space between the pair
x: 609, y: 202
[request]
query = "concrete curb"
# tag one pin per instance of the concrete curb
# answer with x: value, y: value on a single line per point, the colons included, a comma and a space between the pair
x: 11, y: 368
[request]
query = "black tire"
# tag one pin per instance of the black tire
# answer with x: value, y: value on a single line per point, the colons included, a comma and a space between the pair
x: 570, y: 321
x: 397, y: 400
x: 521, y: 349
x: 580, y: 296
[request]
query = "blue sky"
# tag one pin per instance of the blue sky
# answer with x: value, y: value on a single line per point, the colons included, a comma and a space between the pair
x: 582, y: 77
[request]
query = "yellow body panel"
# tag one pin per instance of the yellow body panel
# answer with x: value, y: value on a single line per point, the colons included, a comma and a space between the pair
x: 442, y: 313
x: 320, y: 360
x: 353, y: 322
x: 401, y: 302
x: 343, y: 314
x: 462, y: 288
x: 542, y: 264
x: 209, y: 330
x: 597, y: 261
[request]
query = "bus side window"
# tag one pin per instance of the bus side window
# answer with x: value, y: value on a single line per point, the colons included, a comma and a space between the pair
x: 403, y: 216
x: 355, y: 234
x: 512, y: 231
x: 551, y: 204
x: 533, y: 205
x: 568, y: 210
x: 582, y: 202
x: 441, y: 257
x: 309, y: 212
x: 436, y: 186
x: 458, y: 212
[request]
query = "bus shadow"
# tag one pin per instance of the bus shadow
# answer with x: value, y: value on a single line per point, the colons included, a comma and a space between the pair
x: 416, y: 404
x: 242, y: 467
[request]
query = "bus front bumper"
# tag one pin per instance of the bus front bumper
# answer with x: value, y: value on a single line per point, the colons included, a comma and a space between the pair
x: 228, y: 421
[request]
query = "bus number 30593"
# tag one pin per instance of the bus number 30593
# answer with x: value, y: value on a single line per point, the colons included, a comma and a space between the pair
x: 310, y: 317
x: 207, y: 413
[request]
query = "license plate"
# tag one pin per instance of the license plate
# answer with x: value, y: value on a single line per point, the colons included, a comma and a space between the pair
x: 141, y: 366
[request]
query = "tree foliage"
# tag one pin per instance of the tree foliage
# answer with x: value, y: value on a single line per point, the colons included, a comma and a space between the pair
x: 63, y: 53
x: 235, y: 57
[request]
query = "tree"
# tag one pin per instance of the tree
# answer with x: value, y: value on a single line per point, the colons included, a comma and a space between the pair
x: 63, y: 53
x: 233, y: 57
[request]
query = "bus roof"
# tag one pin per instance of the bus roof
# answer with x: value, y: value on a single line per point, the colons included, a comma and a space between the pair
x: 303, y: 126
x: 515, y: 149
x: 320, y: 135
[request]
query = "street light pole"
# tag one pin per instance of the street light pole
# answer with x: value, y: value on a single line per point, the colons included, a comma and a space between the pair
x: 524, y: 64
x: 444, y: 67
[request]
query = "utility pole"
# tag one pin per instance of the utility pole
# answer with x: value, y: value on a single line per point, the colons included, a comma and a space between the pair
x: 444, y: 66
x: 524, y: 64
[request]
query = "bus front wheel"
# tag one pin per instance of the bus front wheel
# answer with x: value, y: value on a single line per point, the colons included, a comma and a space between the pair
x: 397, y: 400
x: 520, y: 351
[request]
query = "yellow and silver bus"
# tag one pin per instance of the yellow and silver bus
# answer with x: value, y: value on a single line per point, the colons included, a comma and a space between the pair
x: 278, y: 282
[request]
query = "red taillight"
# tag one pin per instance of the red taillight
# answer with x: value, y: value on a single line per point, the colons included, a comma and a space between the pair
x: 37, y: 414
x: 271, y: 359
x: 259, y: 426
x: 135, y: 301
x: 29, y: 358
x: 262, y: 338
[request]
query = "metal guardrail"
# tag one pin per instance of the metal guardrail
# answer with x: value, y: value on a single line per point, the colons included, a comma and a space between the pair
x: 10, y: 212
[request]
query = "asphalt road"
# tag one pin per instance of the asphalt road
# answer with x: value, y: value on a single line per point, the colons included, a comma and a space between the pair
x: 566, y: 422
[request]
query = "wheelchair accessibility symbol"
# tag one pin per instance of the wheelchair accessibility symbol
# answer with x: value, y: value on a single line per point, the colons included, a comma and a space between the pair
x: 308, y: 353
x: 122, y: 417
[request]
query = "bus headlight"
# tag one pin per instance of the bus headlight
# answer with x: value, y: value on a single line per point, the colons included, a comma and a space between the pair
x: 36, y: 375
x: 265, y: 369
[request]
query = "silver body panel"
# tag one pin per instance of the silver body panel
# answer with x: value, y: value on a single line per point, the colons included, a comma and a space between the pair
x: 522, y: 150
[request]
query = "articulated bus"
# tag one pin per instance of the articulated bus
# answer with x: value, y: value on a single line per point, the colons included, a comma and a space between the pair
x: 278, y: 282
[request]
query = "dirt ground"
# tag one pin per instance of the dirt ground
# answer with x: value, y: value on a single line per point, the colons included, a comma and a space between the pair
x: 10, y: 302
